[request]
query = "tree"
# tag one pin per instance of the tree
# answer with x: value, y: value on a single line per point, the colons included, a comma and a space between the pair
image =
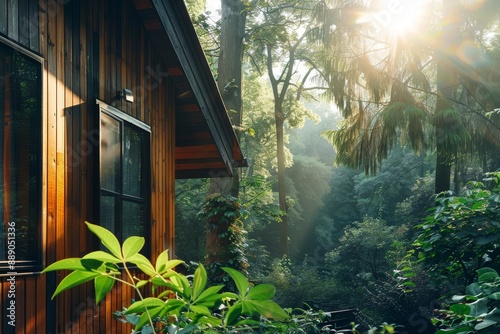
x: 283, y: 49
x: 418, y: 88
x: 229, y: 77
x: 363, y: 251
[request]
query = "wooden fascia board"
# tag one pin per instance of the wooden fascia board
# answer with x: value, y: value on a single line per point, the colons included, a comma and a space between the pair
x: 175, y: 20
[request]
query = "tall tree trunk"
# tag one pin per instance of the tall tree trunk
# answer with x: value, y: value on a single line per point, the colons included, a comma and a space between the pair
x: 229, y: 82
x: 447, y: 84
x: 280, y: 148
x: 233, y: 22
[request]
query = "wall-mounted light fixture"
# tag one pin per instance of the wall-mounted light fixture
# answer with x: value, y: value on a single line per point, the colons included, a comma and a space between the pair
x: 126, y: 94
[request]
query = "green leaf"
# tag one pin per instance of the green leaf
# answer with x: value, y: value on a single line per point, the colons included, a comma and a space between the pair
x: 199, y: 281
x: 102, y: 256
x: 484, y: 324
x: 262, y: 292
x: 233, y: 314
x: 269, y: 309
x: 103, y: 284
x: 485, y: 270
x: 494, y: 296
x: 209, y: 296
x: 107, y: 238
x: 460, y: 309
x: 141, y: 283
x: 473, y: 289
x: 494, y: 315
x: 200, y: 310
x: 463, y: 329
x: 147, y: 303
x: 239, y: 279
x: 132, y: 246
x: 144, y: 320
x: 73, y: 264
x: 75, y: 278
x: 161, y: 260
x: 487, y: 277
x: 142, y: 263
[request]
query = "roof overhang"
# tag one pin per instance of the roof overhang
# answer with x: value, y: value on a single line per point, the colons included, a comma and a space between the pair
x: 205, y: 142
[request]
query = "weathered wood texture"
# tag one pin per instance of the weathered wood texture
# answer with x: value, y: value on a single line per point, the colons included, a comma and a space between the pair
x: 91, y: 49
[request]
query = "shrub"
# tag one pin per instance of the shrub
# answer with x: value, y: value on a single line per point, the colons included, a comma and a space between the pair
x: 177, y: 303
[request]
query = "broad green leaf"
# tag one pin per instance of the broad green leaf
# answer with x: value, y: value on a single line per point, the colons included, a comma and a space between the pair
x: 132, y: 246
x: 141, y: 283
x: 73, y: 264
x: 161, y: 260
x: 458, y: 298
x: 141, y: 305
x: 473, y: 289
x: 269, y: 309
x: 209, y: 296
x: 494, y: 315
x: 494, y: 296
x: 460, y: 309
x: 484, y: 324
x: 239, y: 279
x: 102, y: 256
x: 460, y: 330
x: 199, y: 281
x: 233, y: 314
x: 200, y: 310
x: 102, y: 284
x: 174, y: 306
x: 487, y: 277
x: 146, y: 316
x: 107, y: 238
x: 142, y: 263
x: 479, y: 307
x: 262, y: 292
x: 74, y: 279
x: 485, y: 270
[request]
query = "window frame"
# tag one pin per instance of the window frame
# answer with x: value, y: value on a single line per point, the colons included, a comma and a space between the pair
x: 26, y: 267
x: 125, y: 120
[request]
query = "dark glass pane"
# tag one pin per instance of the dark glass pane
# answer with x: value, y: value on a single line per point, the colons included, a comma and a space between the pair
x: 133, y: 219
x: 107, y: 212
x: 20, y: 152
x: 110, y: 153
x: 133, y: 155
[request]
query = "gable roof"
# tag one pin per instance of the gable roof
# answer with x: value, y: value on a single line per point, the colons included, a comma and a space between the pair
x: 206, y: 144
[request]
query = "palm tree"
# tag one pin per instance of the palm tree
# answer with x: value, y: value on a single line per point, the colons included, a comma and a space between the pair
x: 413, y: 87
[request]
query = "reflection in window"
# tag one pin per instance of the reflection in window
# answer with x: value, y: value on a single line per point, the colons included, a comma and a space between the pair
x: 20, y: 155
x: 124, y: 175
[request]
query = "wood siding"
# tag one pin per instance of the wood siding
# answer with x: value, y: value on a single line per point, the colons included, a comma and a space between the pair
x: 91, y: 49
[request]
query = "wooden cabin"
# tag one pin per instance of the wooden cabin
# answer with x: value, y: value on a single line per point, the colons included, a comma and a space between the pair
x: 105, y: 103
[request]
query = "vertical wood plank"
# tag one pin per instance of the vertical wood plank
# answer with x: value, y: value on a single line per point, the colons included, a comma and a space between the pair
x: 13, y: 19
x: 33, y: 25
x: 3, y: 17
x: 41, y: 295
x: 23, y: 18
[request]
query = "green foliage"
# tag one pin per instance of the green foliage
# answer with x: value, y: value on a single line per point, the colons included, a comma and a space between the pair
x: 177, y: 302
x: 478, y: 311
x: 299, y: 283
x: 364, y: 250
x: 463, y: 232
x: 226, y: 236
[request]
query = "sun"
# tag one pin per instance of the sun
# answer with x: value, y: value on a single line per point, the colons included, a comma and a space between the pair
x: 399, y: 18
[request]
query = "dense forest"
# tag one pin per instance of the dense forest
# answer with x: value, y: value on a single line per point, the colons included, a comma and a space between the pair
x: 372, y: 135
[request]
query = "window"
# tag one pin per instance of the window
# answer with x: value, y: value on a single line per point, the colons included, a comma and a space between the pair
x: 124, y: 165
x: 20, y: 158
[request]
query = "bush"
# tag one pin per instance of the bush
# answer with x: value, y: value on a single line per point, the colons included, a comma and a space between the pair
x: 177, y: 303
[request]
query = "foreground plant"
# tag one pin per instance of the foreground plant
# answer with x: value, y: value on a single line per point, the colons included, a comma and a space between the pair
x: 177, y: 303
x: 478, y: 311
